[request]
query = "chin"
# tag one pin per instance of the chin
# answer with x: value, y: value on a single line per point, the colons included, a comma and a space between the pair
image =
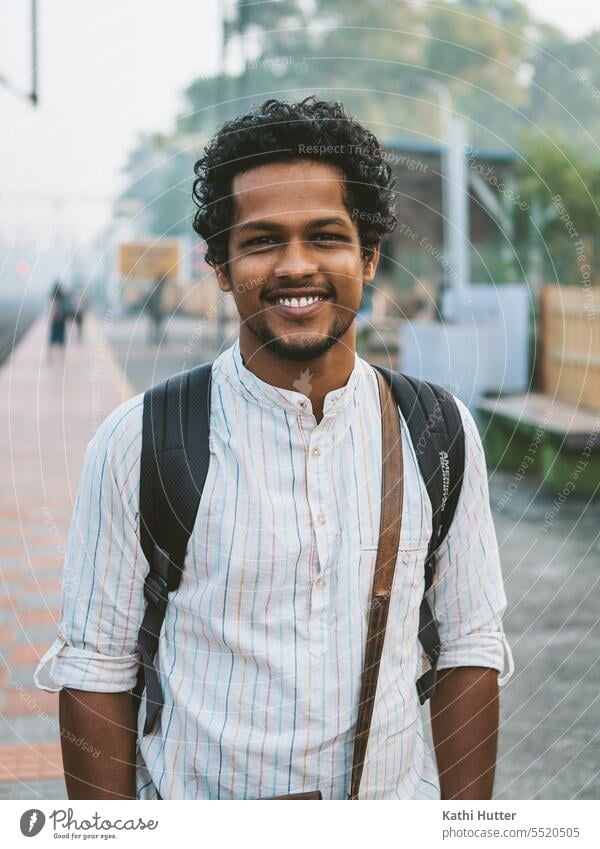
x: 298, y: 349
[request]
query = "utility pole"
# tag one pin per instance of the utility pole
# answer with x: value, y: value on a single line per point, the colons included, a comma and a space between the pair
x: 455, y: 202
x: 221, y: 88
x: 34, y: 53
x: 33, y: 95
x: 457, y: 244
x: 244, y: 18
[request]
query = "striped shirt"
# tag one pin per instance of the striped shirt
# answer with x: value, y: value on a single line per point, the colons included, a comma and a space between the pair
x: 261, y: 650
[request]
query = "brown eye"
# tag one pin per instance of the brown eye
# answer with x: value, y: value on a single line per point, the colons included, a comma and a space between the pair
x: 259, y: 242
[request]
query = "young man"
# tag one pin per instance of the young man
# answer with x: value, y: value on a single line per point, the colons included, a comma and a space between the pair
x: 262, y: 647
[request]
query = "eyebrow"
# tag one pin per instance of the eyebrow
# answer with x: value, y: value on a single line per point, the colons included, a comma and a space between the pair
x: 271, y: 226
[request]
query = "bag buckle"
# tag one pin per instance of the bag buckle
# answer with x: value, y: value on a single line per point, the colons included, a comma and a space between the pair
x: 156, y: 591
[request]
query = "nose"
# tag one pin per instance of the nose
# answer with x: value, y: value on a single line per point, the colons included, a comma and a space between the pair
x: 295, y: 262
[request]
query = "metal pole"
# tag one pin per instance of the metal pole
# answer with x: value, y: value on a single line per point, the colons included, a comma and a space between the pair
x: 458, y: 244
x: 32, y: 95
x: 221, y: 87
x: 455, y: 205
x: 445, y: 107
x: 34, y: 54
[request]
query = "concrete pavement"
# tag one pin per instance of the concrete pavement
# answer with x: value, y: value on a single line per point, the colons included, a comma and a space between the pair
x: 48, y: 413
x: 549, y: 741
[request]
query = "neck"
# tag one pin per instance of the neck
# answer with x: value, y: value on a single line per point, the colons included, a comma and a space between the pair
x: 314, y: 378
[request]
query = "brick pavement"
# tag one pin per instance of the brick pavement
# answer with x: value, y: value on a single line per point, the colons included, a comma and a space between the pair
x: 549, y: 730
x: 48, y: 413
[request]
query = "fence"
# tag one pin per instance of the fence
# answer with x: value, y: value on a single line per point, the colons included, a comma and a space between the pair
x: 570, y: 341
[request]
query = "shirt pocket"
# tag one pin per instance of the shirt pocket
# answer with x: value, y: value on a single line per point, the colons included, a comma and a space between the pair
x: 415, y: 529
x: 410, y: 563
x: 405, y: 602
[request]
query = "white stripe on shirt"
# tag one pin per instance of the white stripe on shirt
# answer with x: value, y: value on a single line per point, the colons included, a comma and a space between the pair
x: 261, y: 653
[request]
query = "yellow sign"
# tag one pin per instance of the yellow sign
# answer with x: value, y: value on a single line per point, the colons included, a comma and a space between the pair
x: 149, y: 260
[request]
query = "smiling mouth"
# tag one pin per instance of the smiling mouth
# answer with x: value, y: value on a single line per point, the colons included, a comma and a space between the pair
x: 298, y: 307
x: 298, y: 303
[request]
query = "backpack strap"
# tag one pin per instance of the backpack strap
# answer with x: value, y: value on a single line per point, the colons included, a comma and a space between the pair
x: 174, y: 465
x: 436, y: 431
x: 176, y: 423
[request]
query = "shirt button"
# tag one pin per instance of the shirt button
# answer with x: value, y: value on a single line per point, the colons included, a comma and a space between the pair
x: 320, y: 583
x: 316, y: 452
x: 406, y: 558
x: 302, y: 404
x: 321, y: 519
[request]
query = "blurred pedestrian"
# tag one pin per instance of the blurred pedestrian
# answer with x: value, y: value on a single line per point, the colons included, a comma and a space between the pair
x: 154, y: 310
x: 58, y: 317
x: 364, y: 324
x: 79, y: 309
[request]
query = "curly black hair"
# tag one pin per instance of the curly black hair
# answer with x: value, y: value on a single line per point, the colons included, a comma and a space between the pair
x: 277, y: 131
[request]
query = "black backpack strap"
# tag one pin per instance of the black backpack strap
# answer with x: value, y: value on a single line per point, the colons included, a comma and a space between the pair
x: 436, y: 431
x: 174, y: 465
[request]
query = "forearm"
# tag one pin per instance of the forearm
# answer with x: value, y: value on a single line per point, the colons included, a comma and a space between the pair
x: 464, y: 721
x: 98, y: 738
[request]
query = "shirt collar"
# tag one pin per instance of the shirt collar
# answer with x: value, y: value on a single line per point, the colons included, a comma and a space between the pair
x: 296, y: 400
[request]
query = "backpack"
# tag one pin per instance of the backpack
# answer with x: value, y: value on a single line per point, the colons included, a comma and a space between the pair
x: 174, y: 465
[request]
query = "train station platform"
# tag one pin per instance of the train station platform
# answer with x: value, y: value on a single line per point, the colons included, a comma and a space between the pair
x: 49, y: 410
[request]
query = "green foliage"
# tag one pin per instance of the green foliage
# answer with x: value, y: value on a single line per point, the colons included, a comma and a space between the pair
x: 519, y: 83
x: 561, y: 185
x: 551, y: 167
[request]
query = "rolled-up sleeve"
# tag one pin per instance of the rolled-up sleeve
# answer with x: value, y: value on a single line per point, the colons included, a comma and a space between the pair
x: 102, y: 602
x: 467, y: 595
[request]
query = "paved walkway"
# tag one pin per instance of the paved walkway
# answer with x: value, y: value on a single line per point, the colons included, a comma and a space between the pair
x: 48, y: 413
x: 549, y: 737
x: 549, y: 743
x: 185, y: 342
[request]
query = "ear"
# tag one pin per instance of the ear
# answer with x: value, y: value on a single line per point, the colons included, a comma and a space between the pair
x: 370, y: 263
x: 223, y: 278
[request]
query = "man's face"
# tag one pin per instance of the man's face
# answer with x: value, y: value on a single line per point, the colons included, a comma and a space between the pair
x: 295, y: 265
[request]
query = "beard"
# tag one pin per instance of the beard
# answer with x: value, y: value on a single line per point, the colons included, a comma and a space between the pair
x: 300, y: 345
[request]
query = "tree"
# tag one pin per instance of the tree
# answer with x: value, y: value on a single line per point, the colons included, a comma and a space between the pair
x: 505, y: 72
x: 561, y: 187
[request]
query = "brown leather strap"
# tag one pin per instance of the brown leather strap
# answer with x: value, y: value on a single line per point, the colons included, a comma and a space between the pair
x: 392, y: 489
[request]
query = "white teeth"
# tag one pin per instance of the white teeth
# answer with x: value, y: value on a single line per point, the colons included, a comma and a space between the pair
x: 298, y: 302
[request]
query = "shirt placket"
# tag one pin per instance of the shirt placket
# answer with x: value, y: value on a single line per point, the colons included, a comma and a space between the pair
x: 323, y: 518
